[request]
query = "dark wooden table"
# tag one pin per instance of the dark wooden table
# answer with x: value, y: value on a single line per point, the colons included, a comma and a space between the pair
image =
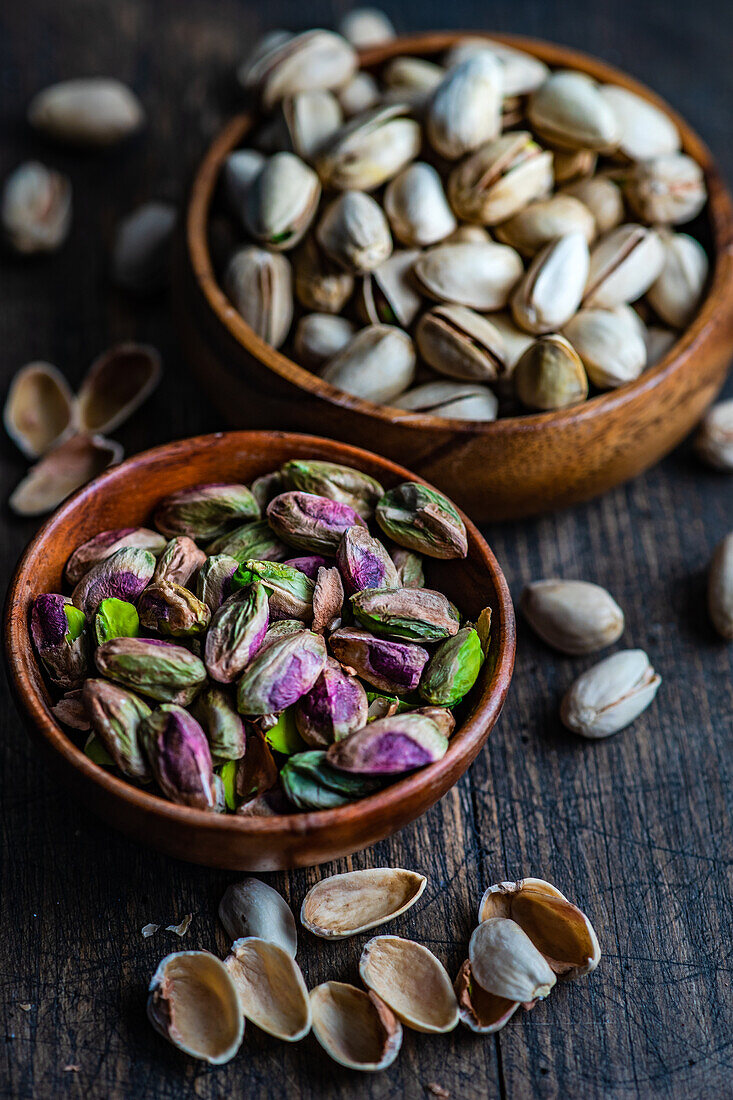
x: 635, y: 829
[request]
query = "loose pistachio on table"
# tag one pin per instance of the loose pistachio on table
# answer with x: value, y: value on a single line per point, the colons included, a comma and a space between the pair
x: 35, y: 209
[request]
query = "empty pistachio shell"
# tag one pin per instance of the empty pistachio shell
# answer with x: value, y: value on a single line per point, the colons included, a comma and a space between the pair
x: 559, y: 930
x: 272, y: 993
x: 461, y: 343
x: 610, y: 695
x: 61, y: 471
x: 387, y: 294
x: 667, y: 189
x: 365, y: 27
x: 500, y: 178
x: 361, y: 93
x: 343, y: 484
x: 411, y: 981
x: 450, y: 400
x: 390, y: 746
x: 417, y: 208
x: 116, y: 384
x: 94, y: 111
x: 319, y: 283
x: 284, y: 64
x: 252, y: 908
x: 569, y: 111
x: 354, y: 232
x: 378, y: 364
x: 602, y: 197
x: 105, y: 544
x: 678, y: 289
x: 611, y: 344
x: 542, y: 221
x: 573, y: 616
x: 355, y: 1028
x: 141, y: 255
x: 623, y: 265
x: 720, y: 588
x: 465, y: 108
x: 193, y: 1003
x: 345, y: 905
x: 205, y: 511
x: 714, y: 439
x: 479, y: 1010
x: 551, y: 291
x: 478, y: 275
x: 36, y: 208
x: 644, y: 130
x: 550, y: 375
x: 260, y: 285
x: 320, y: 336
x: 369, y: 150
x: 504, y: 961
x: 422, y: 519
x: 281, y: 201
x: 39, y: 409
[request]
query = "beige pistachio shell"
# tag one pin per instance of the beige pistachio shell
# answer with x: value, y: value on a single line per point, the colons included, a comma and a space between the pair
x: 569, y: 111
x: 412, y: 77
x: 573, y: 164
x: 720, y: 588
x: 714, y: 439
x: 252, y: 908
x: 320, y: 336
x: 260, y: 286
x: 541, y: 222
x: 272, y: 993
x: 469, y: 234
x: 520, y: 72
x: 35, y: 210
x: 61, y: 471
x: 365, y: 27
x: 417, y: 208
x: 369, y: 150
x: 550, y: 375
x: 411, y: 981
x: 574, y: 617
x: 666, y: 190
x: 611, y: 344
x: 378, y: 364
x: 309, y: 120
x: 141, y: 254
x: 355, y: 1028
x: 676, y: 293
x: 353, y: 232
x: 514, y: 339
x: 281, y: 201
x: 387, y: 294
x: 94, y: 111
x: 284, y: 64
x: 610, y: 695
x: 557, y: 928
x: 39, y: 409
x: 505, y: 962
x: 481, y: 276
x: 344, y: 905
x: 644, y: 130
x: 623, y: 265
x: 450, y: 400
x: 479, y: 1010
x: 460, y: 343
x: 320, y: 284
x: 603, y: 197
x: 117, y: 383
x: 361, y: 93
x: 551, y: 291
x: 193, y: 1004
x: 500, y: 179
x: 465, y: 108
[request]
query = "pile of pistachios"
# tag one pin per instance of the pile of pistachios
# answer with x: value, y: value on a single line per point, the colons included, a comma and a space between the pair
x: 462, y: 236
x: 204, y: 656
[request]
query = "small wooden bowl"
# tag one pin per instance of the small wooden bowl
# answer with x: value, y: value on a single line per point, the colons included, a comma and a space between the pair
x: 513, y: 467
x: 125, y: 496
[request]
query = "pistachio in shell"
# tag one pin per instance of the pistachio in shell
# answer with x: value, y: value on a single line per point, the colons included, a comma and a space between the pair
x: 387, y: 295
x: 281, y: 201
x: 479, y: 1010
x: 39, y: 409
x: 714, y: 439
x: 65, y: 468
x: 551, y: 291
x: 94, y: 111
x: 450, y: 400
x: 359, y: 94
x: 645, y: 130
x: 602, y: 196
x: 345, y: 905
x: 610, y: 343
x: 481, y: 276
x: 193, y: 1003
x: 354, y: 1027
x: 422, y: 519
x: 569, y: 112
x: 354, y: 233
x: 668, y: 189
x: 252, y: 908
x: 284, y: 64
x: 272, y: 993
x: 623, y: 265
x: 465, y: 109
x: 417, y: 208
x: 676, y: 293
x: 542, y: 221
x: 574, y: 617
x: 500, y: 178
x: 370, y: 149
x: 35, y: 208
x: 320, y: 284
x: 205, y: 511
x: 366, y: 26
x: 377, y: 365
x: 320, y: 336
x: 260, y: 286
x: 550, y: 375
x: 411, y: 981
x: 460, y: 343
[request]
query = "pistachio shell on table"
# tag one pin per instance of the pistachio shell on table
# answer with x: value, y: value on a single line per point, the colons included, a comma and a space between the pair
x: 115, y: 715
x: 62, y: 470
x: 252, y: 541
x: 610, y: 695
x: 377, y: 365
x: 504, y: 961
x: 252, y: 908
x: 283, y: 64
x: 714, y: 438
x: 354, y: 1027
x: 238, y: 173
x: 361, y: 93
x: 602, y: 196
x: 521, y: 73
x: 668, y: 189
x: 142, y: 249
x: 550, y: 375
x: 479, y: 1010
x: 369, y: 150
x: 390, y: 666
x: 311, y: 522
x: 453, y: 668
x: 124, y: 575
x: 676, y: 293
x: 345, y: 905
x: 387, y: 295
x: 281, y: 201
x: 35, y: 210
x: 422, y: 519
x: 320, y: 336
x: 106, y: 543
x: 411, y: 981
x: 319, y: 283
x: 223, y: 727
x: 481, y: 276
x: 260, y: 286
x: 308, y: 119
x: 720, y: 588
x: 645, y: 130
x: 450, y: 400
x: 179, y: 756
x: 390, y: 746
x: 611, y: 344
x: 465, y: 108
x: 343, y: 484
x: 270, y: 986
x: 115, y: 385
x: 236, y: 633
x: 417, y: 207
x: 178, y: 562
x: 158, y: 669
x: 205, y: 511
x: 58, y: 633
x: 115, y: 619
x: 574, y: 617
x: 334, y: 707
x: 500, y: 178
x: 193, y: 1003
x: 94, y: 111
x: 551, y: 291
x: 570, y: 112
x: 460, y: 343
x: 353, y: 231
x: 542, y: 221
x: 280, y: 673
x: 412, y: 614
x: 623, y: 265
x: 39, y: 409
x: 365, y: 27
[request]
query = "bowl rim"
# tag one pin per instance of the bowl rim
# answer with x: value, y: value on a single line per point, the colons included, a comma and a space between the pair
x: 21, y: 663
x: 719, y: 210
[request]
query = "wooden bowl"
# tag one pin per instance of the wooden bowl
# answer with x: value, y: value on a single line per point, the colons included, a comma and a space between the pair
x: 512, y: 467
x: 125, y: 496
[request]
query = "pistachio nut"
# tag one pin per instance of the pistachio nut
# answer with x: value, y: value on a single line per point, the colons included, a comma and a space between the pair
x: 320, y: 336
x: 603, y: 197
x: 319, y: 284
x: 453, y: 669
x: 142, y: 250
x: 610, y: 695
x: 236, y: 633
x: 58, y: 632
x: 366, y: 27
x: 422, y: 519
x: 417, y: 208
x: 551, y: 291
x: 623, y: 265
x: 279, y: 674
x: 659, y: 340
x: 69, y: 465
x: 238, y: 173
x: 573, y: 164
x: 281, y: 201
x: 412, y: 614
x: 411, y: 981
x: 542, y: 221
x: 214, y: 581
x: 500, y: 179
x: 364, y: 562
x: 720, y: 588
x: 222, y: 725
x: 310, y: 522
x: 387, y: 294
x: 309, y: 119
x: 676, y: 293
x: 505, y: 962
x: 450, y: 401
x: 354, y: 1027
x: 205, y: 511
x: 465, y: 108
x: 481, y: 1011
x: 160, y: 670
x: 39, y: 409
x: 266, y: 487
x: 251, y: 541
x: 334, y: 707
x: 124, y: 575
x: 69, y: 710
x: 193, y: 1003
x: 570, y: 112
x: 369, y: 150
x: 346, y: 905
x: 409, y: 567
x: 390, y: 666
x: 287, y: 64
x: 115, y: 716
x: 180, y: 559
x: 179, y: 756
x: 645, y: 130
x: 272, y: 993
x: 260, y: 286
x: 115, y: 619
x: 521, y: 73
x: 550, y: 375
x: 94, y: 111
x: 107, y: 543
x: 377, y: 365
x: 353, y: 232
x: 460, y: 343
x: 390, y: 746
x: 572, y: 616
x: 35, y: 210
x: 412, y: 79
x: 310, y: 564
x: 311, y: 783
x: 359, y: 94
x: 668, y: 190
x: 257, y: 771
x: 469, y: 234
x: 343, y: 484
x: 290, y: 591
x: 252, y: 908
x: 611, y: 344
x: 481, y: 276
x: 714, y: 439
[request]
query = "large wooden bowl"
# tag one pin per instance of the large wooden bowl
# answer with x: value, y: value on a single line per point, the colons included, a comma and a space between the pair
x: 514, y: 467
x: 125, y: 496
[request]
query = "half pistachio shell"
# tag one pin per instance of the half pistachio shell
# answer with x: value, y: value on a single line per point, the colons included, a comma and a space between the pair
x: 411, y: 981
x: 272, y: 993
x: 479, y: 1010
x: 116, y: 384
x: 39, y: 409
x: 252, y: 908
x: 63, y: 470
x: 345, y: 905
x: 355, y: 1028
x: 193, y: 1004
x: 504, y: 961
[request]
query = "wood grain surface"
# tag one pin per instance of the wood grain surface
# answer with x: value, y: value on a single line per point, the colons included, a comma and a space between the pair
x: 636, y: 829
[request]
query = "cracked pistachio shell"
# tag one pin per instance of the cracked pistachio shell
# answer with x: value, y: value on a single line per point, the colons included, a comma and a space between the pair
x: 320, y: 336
x: 369, y: 150
x: 115, y: 716
x: 160, y: 670
x: 311, y: 522
x: 465, y: 108
x: 644, y: 130
x: 479, y: 1010
x: 214, y: 581
x: 500, y: 178
x: 35, y: 209
x: 453, y: 668
x: 180, y: 559
x: 107, y: 543
x: 58, y: 634
x: 450, y: 400
x: 460, y: 343
x: 390, y: 746
x: 319, y: 283
x: 714, y: 439
x: 117, y: 383
x: 310, y: 783
x: 142, y: 250
x: 409, y: 566
x: 610, y: 695
x: 65, y: 468
x: 422, y: 519
x: 236, y: 633
x: 250, y: 541
x: 308, y: 120
x: 281, y: 201
x: 551, y: 291
x: 223, y: 726
x: 124, y: 575
x: 542, y: 221
x: 574, y: 617
x: 345, y: 905
x: 171, y: 609
x: 623, y: 265
x: 272, y: 993
x: 205, y: 511
x: 115, y: 619
x: 557, y: 928
x: 279, y: 674
x: 334, y: 707
x: 505, y: 962
x: 93, y: 111
x: 569, y: 112
x: 179, y: 756
x: 411, y: 981
x: 39, y: 409
x: 365, y: 27
x: 667, y: 190
x: 193, y: 1003
x: 390, y: 666
x: 252, y: 908
x: 290, y: 591
x: 377, y: 365
x: 676, y: 293
x: 340, y: 483
x: 260, y: 286
x: 550, y: 375
x: 361, y: 93
x: 354, y: 232
x: 283, y: 64
x: 354, y: 1027
x: 417, y: 207
x: 415, y: 614
x: 720, y: 588
x: 387, y: 294
x: 520, y: 72
x: 481, y: 276
x: 364, y: 562
x: 610, y: 343
x: 603, y: 197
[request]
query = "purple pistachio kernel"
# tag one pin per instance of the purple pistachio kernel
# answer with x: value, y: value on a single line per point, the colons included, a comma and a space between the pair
x: 48, y: 621
x: 364, y: 562
x: 311, y: 523
x: 310, y: 564
x: 57, y: 630
x: 334, y: 707
x: 214, y: 581
x: 282, y: 672
x: 106, y: 543
x: 390, y: 746
x: 393, y: 667
x: 123, y: 576
x: 179, y: 756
